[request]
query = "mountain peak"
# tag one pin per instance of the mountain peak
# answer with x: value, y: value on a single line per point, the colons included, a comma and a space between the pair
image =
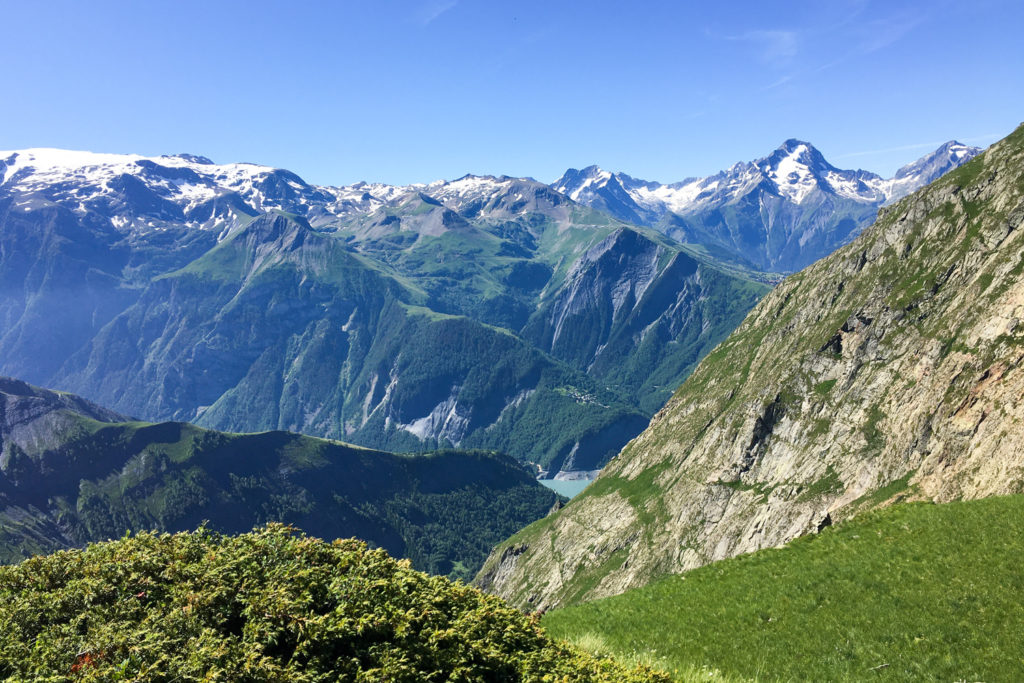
x: 575, y: 183
x: 949, y: 155
x: 792, y: 144
x: 800, y: 151
x: 954, y: 147
x: 474, y: 176
x: 191, y: 158
x: 796, y: 167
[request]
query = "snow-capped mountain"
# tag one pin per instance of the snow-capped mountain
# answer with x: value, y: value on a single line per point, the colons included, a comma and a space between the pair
x: 142, y: 194
x: 926, y: 169
x: 623, y: 196
x: 780, y: 212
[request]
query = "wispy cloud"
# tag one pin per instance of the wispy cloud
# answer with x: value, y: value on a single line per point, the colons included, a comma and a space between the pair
x: 888, y: 150
x: 917, y: 145
x: 794, y: 50
x: 881, y: 33
x: 430, y: 11
x: 775, y: 47
x: 779, y: 82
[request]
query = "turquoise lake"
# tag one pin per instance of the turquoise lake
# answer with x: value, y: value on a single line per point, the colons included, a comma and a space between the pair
x: 566, y: 488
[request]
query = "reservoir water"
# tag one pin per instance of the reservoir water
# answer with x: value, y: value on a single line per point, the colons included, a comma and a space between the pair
x: 567, y: 488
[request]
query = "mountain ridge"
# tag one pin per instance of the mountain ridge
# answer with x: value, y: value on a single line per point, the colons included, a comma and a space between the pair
x: 765, y: 211
x: 889, y: 368
x: 194, y: 181
x: 72, y: 472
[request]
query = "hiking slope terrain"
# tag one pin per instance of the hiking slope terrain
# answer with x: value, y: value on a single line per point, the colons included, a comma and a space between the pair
x: 894, y: 595
x: 892, y: 365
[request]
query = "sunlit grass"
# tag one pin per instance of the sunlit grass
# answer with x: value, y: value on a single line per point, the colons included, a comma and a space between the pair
x: 913, y: 592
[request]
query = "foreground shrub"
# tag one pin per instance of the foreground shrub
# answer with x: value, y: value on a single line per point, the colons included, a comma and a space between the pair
x: 265, y: 606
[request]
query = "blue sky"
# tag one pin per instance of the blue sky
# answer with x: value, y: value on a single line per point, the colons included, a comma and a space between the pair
x: 413, y: 91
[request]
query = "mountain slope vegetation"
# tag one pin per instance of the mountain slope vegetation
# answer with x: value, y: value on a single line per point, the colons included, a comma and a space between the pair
x: 908, y: 593
x: 892, y: 365
x: 265, y: 606
x: 281, y: 327
x: 71, y: 473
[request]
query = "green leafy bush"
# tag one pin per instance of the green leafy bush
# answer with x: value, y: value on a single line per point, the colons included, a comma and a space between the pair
x: 269, y: 605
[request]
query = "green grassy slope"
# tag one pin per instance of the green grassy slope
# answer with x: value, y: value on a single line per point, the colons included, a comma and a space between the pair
x: 908, y: 593
x: 265, y: 606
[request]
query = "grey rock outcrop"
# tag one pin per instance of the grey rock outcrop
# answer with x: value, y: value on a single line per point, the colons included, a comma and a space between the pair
x: 33, y: 419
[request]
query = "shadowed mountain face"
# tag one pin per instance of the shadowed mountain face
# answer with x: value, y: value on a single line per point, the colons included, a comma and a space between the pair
x: 891, y: 368
x: 781, y: 212
x: 479, y: 313
x: 72, y: 472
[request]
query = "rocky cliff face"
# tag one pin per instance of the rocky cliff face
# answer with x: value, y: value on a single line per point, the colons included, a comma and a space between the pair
x: 891, y: 369
x: 637, y: 314
x: 31, y: 419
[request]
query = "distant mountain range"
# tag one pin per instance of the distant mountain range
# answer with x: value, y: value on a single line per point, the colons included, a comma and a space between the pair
x: 781, y: 212
x: 485, y: 312
x: 490, y: 313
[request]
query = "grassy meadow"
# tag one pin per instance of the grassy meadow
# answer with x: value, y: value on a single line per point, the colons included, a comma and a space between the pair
x: 913, y: 592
